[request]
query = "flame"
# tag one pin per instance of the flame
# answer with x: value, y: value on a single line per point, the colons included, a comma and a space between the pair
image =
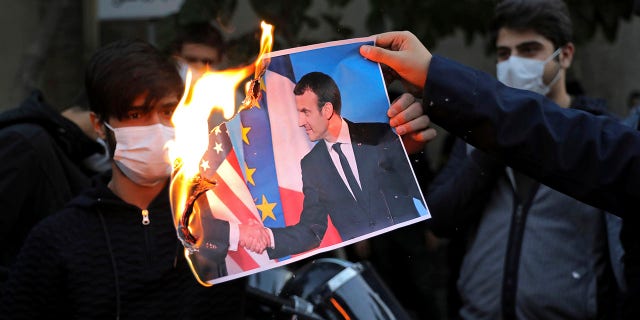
x: 266, y: 44
x: 252, y: 88
x: 213, y: 92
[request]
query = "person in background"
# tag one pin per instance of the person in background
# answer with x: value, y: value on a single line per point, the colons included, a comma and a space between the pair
x: 112, y: 252
x: 47, y: 158
x: 531, y: 251
x: 602, y: 170
x: 199, y: 47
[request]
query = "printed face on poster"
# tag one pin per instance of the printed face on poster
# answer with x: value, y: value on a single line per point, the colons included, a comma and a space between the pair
x: 314, y: 167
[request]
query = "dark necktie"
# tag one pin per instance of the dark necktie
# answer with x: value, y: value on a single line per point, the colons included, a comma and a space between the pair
x: 353, y: 184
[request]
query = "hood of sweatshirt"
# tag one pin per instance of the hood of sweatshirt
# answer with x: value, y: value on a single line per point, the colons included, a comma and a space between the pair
x: 68, y: 136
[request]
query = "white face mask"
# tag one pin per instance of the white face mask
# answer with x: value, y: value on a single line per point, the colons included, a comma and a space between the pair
x: 183, y: 68
x: 142, y: 152
x: 526, y: 74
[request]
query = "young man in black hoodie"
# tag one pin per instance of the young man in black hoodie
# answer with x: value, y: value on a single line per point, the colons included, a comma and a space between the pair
x: 113, y: 252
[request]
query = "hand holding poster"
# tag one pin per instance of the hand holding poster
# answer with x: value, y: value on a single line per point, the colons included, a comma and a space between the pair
x: 313, y: 167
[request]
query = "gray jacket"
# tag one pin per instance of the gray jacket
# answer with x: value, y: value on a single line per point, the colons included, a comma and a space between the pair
x: 548, y: 254
x: 537, y: 254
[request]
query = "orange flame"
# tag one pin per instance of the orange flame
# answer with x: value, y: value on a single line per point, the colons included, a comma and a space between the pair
x: 214, y: 91
x: 266, y: 44
x: 262, y: 62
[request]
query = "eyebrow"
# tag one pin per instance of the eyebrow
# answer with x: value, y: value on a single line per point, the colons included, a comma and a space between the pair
x: 303, y: 109
x: 136, y: 107
x: 522, y: 45
x: 529, y: 44
x: 172, y: 103
x: 148, y: 108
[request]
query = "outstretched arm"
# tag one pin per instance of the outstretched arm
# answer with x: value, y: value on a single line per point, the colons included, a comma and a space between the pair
x: 591, y: 158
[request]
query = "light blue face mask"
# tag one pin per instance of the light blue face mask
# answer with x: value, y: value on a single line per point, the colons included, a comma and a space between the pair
x: 526, y: 74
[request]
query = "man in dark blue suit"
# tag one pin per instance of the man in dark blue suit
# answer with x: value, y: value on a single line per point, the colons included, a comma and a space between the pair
x: 357, y: 174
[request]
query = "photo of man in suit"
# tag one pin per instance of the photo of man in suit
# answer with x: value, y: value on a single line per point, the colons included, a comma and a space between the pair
x: 357, y: 174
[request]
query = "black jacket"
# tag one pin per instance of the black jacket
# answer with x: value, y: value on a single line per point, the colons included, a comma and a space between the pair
x: 95, y: 260
x: 41, y: 153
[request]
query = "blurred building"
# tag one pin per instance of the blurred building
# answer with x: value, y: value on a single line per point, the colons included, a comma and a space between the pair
x: 607, y: 70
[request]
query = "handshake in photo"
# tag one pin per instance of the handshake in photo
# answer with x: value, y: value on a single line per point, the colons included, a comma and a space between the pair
x: 255, y: 237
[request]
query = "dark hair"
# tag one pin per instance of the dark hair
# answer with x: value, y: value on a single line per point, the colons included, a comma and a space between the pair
x: 550, y: 18
x: 121, y: 71
x: 198, y: 32
x: 323, y: 86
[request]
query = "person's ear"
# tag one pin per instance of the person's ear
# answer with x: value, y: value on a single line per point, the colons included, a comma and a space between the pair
x: 566, y: 55
x: 97, y: 125
x: 327, y: 110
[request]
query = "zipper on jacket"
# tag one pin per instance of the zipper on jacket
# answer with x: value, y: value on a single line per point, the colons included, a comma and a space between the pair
x: 145, y: 217
x: 512, y: 261
x: 514, y: 247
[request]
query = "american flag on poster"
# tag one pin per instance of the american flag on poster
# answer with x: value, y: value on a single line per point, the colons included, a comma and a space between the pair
x: 273, y: 145
x: 230, y: 199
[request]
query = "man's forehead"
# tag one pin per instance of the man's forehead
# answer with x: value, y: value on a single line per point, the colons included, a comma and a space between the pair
x: 303, y: 106
x: 140, y: 100
x: 166, y: 101
x: 307, y: 100
x: 512, y: 38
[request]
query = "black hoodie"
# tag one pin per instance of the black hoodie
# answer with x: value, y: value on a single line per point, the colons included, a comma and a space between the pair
x: 41, y: 169
x: 96, y: 260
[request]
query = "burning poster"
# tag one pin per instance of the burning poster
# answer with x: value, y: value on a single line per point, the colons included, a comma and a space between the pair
x: 309, y: 164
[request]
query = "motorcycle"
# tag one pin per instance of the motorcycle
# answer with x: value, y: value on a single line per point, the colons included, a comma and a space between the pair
x: 323, y: 289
